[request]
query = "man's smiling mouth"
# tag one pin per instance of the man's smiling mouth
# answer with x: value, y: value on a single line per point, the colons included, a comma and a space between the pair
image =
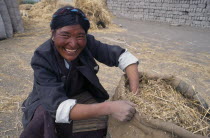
x: 70, y: 51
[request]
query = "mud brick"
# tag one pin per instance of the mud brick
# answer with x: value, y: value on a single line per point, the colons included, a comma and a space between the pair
x: 197, y: 22
x: 202, y: 18
x: 146, y: 16
x: 204, y: 23
x: 201, y: 5
x: 199, y: 14
x: 199, y: 10
x: 138, y: 16
x: 168, y: 19
x: 188, y: 22
x: 146, y: 10
x: 151, y: 17
x: 185, y: 5
x: 194, y: 10
x: 182, y: 21
x: 176, y: 12
x: 163, y: 11
x: 162, y: 18
x: 193, y: 6
x: 158, y: 4
x: 177, y: 5
x: 165, y: 5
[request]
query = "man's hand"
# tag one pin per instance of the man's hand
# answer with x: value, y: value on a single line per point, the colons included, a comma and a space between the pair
x: 122, y: 110
x: 136, y: 92
x: 133, y: 77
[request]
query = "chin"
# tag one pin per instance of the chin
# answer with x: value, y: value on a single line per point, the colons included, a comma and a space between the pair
x: 70, y: 58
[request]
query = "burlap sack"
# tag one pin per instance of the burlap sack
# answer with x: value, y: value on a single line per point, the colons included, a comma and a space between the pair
x: 14, y: 13
x: 2, y: 29
x: 140, y: 127
x: 6, y: 19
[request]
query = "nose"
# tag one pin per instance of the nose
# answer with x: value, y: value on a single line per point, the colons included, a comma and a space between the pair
x: 72, y: 42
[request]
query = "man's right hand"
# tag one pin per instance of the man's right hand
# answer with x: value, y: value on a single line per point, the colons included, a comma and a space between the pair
x: 122, y: 110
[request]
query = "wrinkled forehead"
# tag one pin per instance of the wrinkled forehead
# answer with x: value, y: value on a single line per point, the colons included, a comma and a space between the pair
x: 71, y: 30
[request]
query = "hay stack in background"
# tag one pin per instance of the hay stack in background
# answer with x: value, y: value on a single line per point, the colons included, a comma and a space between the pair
x: 62, y: 3
x: 41, y: 11
x: 96, y: 12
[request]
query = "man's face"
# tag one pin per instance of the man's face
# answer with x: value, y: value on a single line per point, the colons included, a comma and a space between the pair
x: 70, y: 41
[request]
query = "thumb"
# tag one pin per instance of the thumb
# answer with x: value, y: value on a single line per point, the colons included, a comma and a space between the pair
x: 131, y: 103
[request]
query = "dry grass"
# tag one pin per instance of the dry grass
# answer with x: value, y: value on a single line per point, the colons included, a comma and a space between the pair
x: 11, y: 103
x: 159, y: 100
x: 113, y: 28
x: 96, y: 12
x: 41, y: 11
x: 11, y: 107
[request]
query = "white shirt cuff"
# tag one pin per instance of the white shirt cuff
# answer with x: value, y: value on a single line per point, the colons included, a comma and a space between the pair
x: 62, y: 113
x: 126, y: 59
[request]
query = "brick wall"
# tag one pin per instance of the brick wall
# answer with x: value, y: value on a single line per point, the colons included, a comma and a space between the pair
x: 187, y: 12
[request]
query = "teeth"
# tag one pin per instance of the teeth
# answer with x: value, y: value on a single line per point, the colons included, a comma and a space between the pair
x: 68, y: 50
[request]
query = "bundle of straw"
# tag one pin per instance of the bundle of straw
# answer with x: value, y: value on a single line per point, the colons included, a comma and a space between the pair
x: 41, y: 11
x: 159, y: 100
x: 96, y: 12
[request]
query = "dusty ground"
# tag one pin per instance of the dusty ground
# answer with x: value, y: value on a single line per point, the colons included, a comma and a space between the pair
x: 181, y: 51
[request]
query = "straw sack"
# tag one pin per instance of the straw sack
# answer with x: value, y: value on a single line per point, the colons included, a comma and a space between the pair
x: 163, y: 121
x: 6, y: 19
x: 2, y: 29
x: 14, y: 13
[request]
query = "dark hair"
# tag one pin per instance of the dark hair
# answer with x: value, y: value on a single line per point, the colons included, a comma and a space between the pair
x: 69, y: 15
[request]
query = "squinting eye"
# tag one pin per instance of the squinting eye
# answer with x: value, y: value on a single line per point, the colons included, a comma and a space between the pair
x: 82, y: 36
x: 65, y: 36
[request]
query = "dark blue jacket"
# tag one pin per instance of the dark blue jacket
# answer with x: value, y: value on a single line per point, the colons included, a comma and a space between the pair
x: 49, y: 88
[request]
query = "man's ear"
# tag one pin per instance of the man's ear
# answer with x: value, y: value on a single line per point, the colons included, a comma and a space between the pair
x: 53, y: 34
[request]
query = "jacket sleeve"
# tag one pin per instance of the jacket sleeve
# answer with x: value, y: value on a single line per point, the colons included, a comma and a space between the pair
x: 49, y: 87
x: 104, y: 53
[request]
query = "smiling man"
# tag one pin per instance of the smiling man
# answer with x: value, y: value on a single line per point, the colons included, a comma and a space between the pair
x: 67, y: 99
x: 70, y: 41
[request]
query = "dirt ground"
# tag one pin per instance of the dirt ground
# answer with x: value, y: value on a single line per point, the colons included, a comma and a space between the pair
x: 181, y: 51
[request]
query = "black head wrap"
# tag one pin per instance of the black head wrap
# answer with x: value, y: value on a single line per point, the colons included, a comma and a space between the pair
x: 69, y: 15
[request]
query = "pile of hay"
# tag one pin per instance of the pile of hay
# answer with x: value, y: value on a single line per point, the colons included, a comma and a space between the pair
x: 159, y: 100
x: 95, y: 11
x: 41, y: 11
